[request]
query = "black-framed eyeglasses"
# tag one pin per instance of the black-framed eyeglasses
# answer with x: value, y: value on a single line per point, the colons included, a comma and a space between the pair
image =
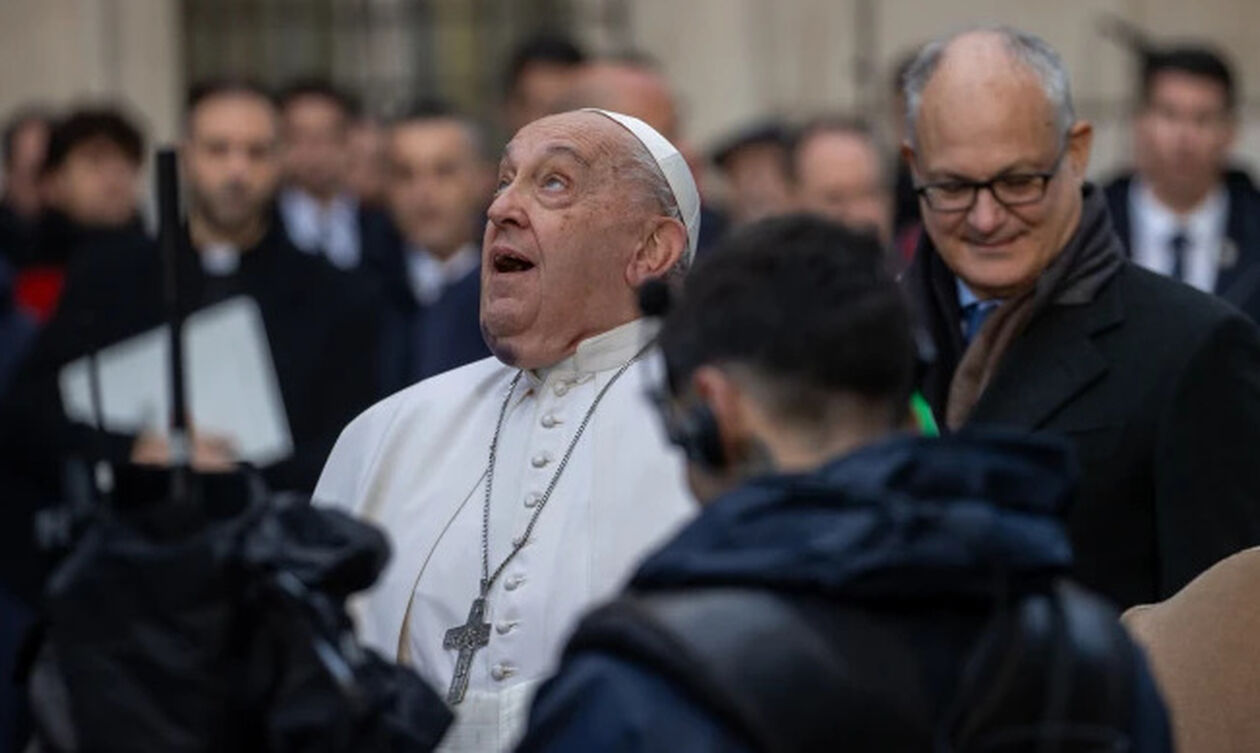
x: 1009, y: 189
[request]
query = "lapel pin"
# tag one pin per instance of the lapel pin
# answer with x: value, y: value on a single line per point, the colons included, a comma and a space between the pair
x: 1229, y: 254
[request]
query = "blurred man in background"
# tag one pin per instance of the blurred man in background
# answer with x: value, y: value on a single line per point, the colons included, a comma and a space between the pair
x: 838, y: 173
x: 90, y: 195
x: 25, y: 139
x: 540, y: 72
x: 1184, y: 213
x: 320, y: 212
x: 438, y: 184
x: 754, y: 163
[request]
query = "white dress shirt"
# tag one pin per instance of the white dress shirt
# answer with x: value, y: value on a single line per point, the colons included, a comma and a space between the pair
x: 330, y: 229
x: 430, y: 276
x: 1153, y: 226
x: 416, y: 465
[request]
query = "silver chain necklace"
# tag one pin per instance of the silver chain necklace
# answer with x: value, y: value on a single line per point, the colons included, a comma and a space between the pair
x: 475, y: 633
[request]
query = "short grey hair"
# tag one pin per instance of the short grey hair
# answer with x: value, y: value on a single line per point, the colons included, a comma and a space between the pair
x: 642, y: 170
x: 1029, y: 49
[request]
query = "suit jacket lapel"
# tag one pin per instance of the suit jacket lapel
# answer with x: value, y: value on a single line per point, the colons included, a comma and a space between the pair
x: 1051, y: 363
x: 1238, y: 276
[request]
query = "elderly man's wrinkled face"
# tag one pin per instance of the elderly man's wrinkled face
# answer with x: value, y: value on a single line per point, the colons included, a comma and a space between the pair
x: 984, y: 116
x: 564, y: 231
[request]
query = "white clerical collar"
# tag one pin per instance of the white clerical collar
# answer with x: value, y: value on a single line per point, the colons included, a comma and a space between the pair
x: 603, y: 352
x: 430, y: 276
x: 1200, y: 223
x: 219, y: 259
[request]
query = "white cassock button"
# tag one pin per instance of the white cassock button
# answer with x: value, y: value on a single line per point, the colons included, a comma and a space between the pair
x: 532, y: 499
x: 549, y: 421
x: 502, y: 671
x: 513, y: 582
x: 505, y: 627
x: 540, y: 460
x: 561, y: 389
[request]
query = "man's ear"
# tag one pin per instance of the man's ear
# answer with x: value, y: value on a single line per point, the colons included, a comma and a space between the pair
x: 1080, y: 144
x: 725, y: 400
x: 907, y: 156
x: 658, y: 253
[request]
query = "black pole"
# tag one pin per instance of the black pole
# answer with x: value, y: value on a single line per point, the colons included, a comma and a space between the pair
x: 170, y: 237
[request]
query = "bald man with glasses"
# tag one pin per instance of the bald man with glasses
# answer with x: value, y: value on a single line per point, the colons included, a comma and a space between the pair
x: 1041, y: 325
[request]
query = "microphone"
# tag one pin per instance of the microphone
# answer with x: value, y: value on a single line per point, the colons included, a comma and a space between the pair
x: 655, y: 298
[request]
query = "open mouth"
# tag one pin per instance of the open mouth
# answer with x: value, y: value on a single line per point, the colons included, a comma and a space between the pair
x: 507, y: 262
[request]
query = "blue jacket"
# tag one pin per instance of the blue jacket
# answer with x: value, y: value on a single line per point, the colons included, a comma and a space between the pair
x: 910, y: 518
x: 16, y: 329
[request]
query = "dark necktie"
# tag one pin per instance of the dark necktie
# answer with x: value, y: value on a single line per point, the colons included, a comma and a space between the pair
x: 1178, y: 244
x: 974, y: 315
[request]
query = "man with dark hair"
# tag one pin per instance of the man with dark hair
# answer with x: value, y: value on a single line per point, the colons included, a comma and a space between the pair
x: 539, y: 73
x: 321, y: 324
x: 838, y: 172
x: 90, y: 184
x: 1184, y: 212
x: 437, y: 185
x: 91, y: 168
x: 845, y: 584
x: 320, y: 212
x: 1040, y: 324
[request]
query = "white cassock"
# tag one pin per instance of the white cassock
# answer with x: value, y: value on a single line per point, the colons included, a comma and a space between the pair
x: 415, y: 464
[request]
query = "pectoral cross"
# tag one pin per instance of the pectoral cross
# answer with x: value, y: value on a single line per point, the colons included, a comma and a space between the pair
x: 467, y: 639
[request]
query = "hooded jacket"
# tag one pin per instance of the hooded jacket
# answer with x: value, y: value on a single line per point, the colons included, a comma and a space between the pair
x: 927, y: 525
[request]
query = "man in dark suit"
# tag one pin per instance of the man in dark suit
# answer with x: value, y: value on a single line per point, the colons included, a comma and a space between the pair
x: 318, y: 206
x: 437, y: 187
x: 1040, y: 323
x: 321, y: 324
x: 1184, y: 212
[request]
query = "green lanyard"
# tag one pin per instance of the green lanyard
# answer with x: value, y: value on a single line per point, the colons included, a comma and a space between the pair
x: 923, y: 416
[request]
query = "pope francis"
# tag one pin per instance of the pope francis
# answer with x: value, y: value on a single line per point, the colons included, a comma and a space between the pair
x: 518, y: 490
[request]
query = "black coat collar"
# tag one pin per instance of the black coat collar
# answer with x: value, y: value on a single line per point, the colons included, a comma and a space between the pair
x: 1053, y: 360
